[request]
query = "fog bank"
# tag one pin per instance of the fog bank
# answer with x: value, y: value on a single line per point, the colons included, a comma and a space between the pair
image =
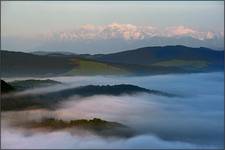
x: 192, y: 121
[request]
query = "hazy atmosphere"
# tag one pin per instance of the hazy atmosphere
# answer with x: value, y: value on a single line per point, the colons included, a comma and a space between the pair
x: 105, y: 27
x: 161, y: 121
x: 112, y: 75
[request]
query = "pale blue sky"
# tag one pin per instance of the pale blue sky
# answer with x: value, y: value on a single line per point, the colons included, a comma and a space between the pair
x: 31, y: 18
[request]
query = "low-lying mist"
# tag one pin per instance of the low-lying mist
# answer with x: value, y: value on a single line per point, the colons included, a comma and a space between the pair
x: 194, y: 120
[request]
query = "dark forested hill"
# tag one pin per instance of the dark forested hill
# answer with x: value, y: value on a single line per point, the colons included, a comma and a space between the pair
x: 168, y: 59
x: 151, y: 55
x: 22, y: 64
x: 5, y: 87
x: 148, y: 60
x: 14, y: 64
x: 49, y: 100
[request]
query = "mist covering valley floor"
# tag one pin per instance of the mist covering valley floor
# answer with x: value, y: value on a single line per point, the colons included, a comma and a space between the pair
x: 195, y: 119
x: 115, y: 75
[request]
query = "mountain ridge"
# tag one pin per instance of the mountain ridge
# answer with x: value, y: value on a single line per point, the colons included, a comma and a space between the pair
x: 159, y: 51
x: 51, y: 99
x: 141, y: 61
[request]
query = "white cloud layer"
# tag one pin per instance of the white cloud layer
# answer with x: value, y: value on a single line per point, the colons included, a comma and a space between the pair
x: 193, y: 121
x: 63, y: 140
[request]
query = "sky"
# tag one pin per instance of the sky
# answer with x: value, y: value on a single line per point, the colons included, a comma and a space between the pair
x: 37, y: 25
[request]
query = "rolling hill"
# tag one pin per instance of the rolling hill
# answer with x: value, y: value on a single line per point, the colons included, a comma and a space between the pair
x: 25, y: 64
x: 167, y: 59
x: 151, y: 55
x: 50, y: 100
x: 142, y: 61
x: 92, y: 67
x: 14, y: 64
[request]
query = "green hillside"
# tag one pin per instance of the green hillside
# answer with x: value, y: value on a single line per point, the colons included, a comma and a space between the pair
x: 142, y: 61
x: 90, y: 67
x: 182, y: 63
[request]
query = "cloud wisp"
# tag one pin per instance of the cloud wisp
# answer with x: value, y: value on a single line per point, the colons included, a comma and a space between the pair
x: 193, y: 121
x: 64, y: 140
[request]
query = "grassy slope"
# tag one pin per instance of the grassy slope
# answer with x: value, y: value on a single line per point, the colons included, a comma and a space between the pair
x: 139, y: 63
x: 182, y: 63
x: 90, y: 67
x: 84, y: 66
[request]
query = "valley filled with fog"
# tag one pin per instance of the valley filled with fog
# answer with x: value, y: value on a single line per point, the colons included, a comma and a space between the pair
x: 192, y: 119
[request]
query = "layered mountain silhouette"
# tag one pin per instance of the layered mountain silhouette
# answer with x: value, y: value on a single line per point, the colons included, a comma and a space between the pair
x: 151, y: 55
x: 142, y: 61
x: 49, y: 100
x: 25, y: 64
